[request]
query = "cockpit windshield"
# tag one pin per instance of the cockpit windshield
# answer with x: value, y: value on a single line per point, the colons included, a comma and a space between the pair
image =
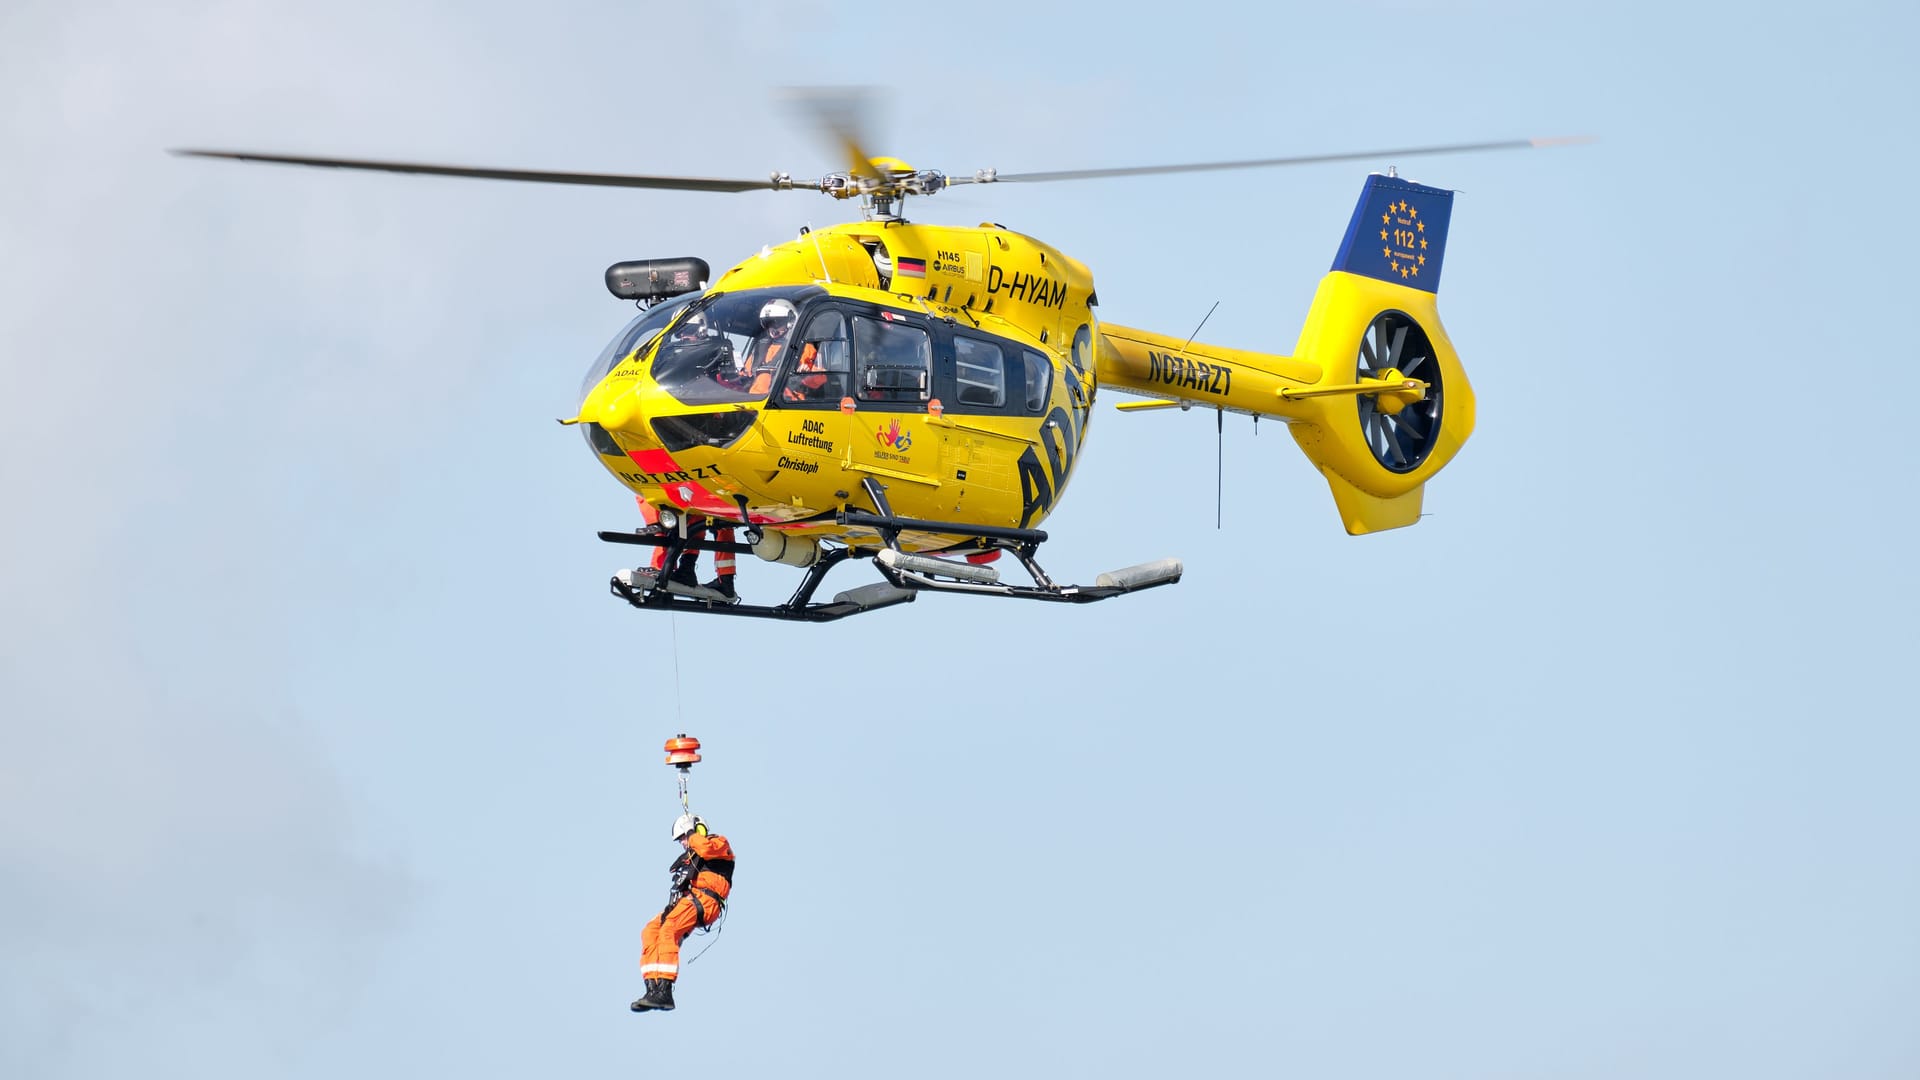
x: 635, y: 336
x: 730, y: 347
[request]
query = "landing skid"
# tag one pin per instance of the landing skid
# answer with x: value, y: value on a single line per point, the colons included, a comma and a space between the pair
x: 644, y: 589
x: 907, y: 574
x: 648, y: 580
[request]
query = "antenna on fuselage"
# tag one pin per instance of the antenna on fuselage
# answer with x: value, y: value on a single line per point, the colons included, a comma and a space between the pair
x: 1219, y: 431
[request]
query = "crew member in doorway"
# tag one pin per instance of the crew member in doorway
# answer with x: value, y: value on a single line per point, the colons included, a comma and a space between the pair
x: 702, y: 879
x: 686, y: 571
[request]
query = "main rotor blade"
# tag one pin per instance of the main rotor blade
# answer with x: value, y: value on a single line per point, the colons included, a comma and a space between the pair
x: 841, y: 112
x: 1262, y: 163
x: 538, y: 176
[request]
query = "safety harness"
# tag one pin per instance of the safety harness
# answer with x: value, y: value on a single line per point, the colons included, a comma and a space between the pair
x: 700, y: 917
x: 686, y: 870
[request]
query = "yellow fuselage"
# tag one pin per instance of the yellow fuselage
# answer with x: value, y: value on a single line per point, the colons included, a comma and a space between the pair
x: 947, y: 458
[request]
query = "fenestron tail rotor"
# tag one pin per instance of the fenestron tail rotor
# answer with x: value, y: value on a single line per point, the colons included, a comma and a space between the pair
x: 1400, y: 434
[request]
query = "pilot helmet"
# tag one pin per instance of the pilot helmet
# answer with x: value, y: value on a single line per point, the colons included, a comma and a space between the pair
x: 692, y: 328
x: 777, y: 316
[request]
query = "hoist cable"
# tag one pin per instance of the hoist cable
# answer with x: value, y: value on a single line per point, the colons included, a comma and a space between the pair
x: 680, y: 719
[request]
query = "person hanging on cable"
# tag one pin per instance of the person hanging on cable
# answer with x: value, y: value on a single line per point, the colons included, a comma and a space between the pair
x: 702, y: 880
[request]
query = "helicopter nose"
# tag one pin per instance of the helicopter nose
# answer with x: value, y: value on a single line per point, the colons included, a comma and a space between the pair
x: 619, y: 412
x: 617, y: 407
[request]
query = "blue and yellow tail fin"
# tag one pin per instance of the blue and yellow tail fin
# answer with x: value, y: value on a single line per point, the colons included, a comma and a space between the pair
x: 1398, y: 233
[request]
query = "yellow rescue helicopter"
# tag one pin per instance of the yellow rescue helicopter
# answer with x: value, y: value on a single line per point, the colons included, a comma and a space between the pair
x: 919, y: 395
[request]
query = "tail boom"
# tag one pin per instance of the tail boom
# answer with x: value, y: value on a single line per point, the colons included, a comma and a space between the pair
x: 1374, y: 393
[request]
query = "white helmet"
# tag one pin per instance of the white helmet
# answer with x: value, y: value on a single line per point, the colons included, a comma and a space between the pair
x: 777, y: 311
x: 683, y: 825
x: 692, y: 328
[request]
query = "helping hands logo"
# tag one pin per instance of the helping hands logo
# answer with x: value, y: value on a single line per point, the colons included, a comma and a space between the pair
x: 893, y: 438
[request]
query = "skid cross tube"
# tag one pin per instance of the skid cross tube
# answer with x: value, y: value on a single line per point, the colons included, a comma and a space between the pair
x: 877, y: 491
x: 816, y: 573
x: 667, y: 541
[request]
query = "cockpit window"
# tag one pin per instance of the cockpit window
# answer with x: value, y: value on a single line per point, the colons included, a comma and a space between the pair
x: 635, y: 336
x: 822, y: 370
x: 729, y: 348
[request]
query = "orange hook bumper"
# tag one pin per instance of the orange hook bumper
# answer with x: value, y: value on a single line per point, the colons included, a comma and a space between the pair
x: 683, y: 750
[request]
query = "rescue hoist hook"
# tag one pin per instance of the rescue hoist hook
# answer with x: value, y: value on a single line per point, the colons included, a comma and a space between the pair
x: 683, y: 752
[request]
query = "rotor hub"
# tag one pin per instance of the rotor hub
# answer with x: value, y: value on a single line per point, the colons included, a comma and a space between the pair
x: 1392, y: 402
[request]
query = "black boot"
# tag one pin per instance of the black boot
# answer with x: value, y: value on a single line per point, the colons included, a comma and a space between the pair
x: 724, y: 586
x: 659, y: 995
x: 685, y: 574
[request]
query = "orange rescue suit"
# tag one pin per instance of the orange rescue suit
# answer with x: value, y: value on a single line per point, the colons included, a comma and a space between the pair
x: 760, y: 365
x: 806, y: 382
x: 707, y: 867
x: 723, y: 561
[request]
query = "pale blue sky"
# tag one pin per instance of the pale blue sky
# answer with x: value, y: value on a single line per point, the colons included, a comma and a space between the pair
x: 324, y: 751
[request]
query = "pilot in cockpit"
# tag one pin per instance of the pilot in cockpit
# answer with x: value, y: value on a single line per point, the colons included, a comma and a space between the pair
x: 693, y: 349
x: 777, y: 317
x: 691, y: 330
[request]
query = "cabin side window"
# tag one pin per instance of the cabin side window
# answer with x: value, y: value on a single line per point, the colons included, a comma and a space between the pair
x: 993, y: 376
x: 1039, y: 381
x: 892, y: 360
x: 979, y: 373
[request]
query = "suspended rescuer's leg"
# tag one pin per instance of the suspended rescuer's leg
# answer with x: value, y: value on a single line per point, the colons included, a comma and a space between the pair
x: 660, y: 953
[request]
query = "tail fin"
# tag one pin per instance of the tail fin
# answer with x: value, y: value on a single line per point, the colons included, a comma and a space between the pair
x: 1375, y: 317
x: 1398, y: 233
